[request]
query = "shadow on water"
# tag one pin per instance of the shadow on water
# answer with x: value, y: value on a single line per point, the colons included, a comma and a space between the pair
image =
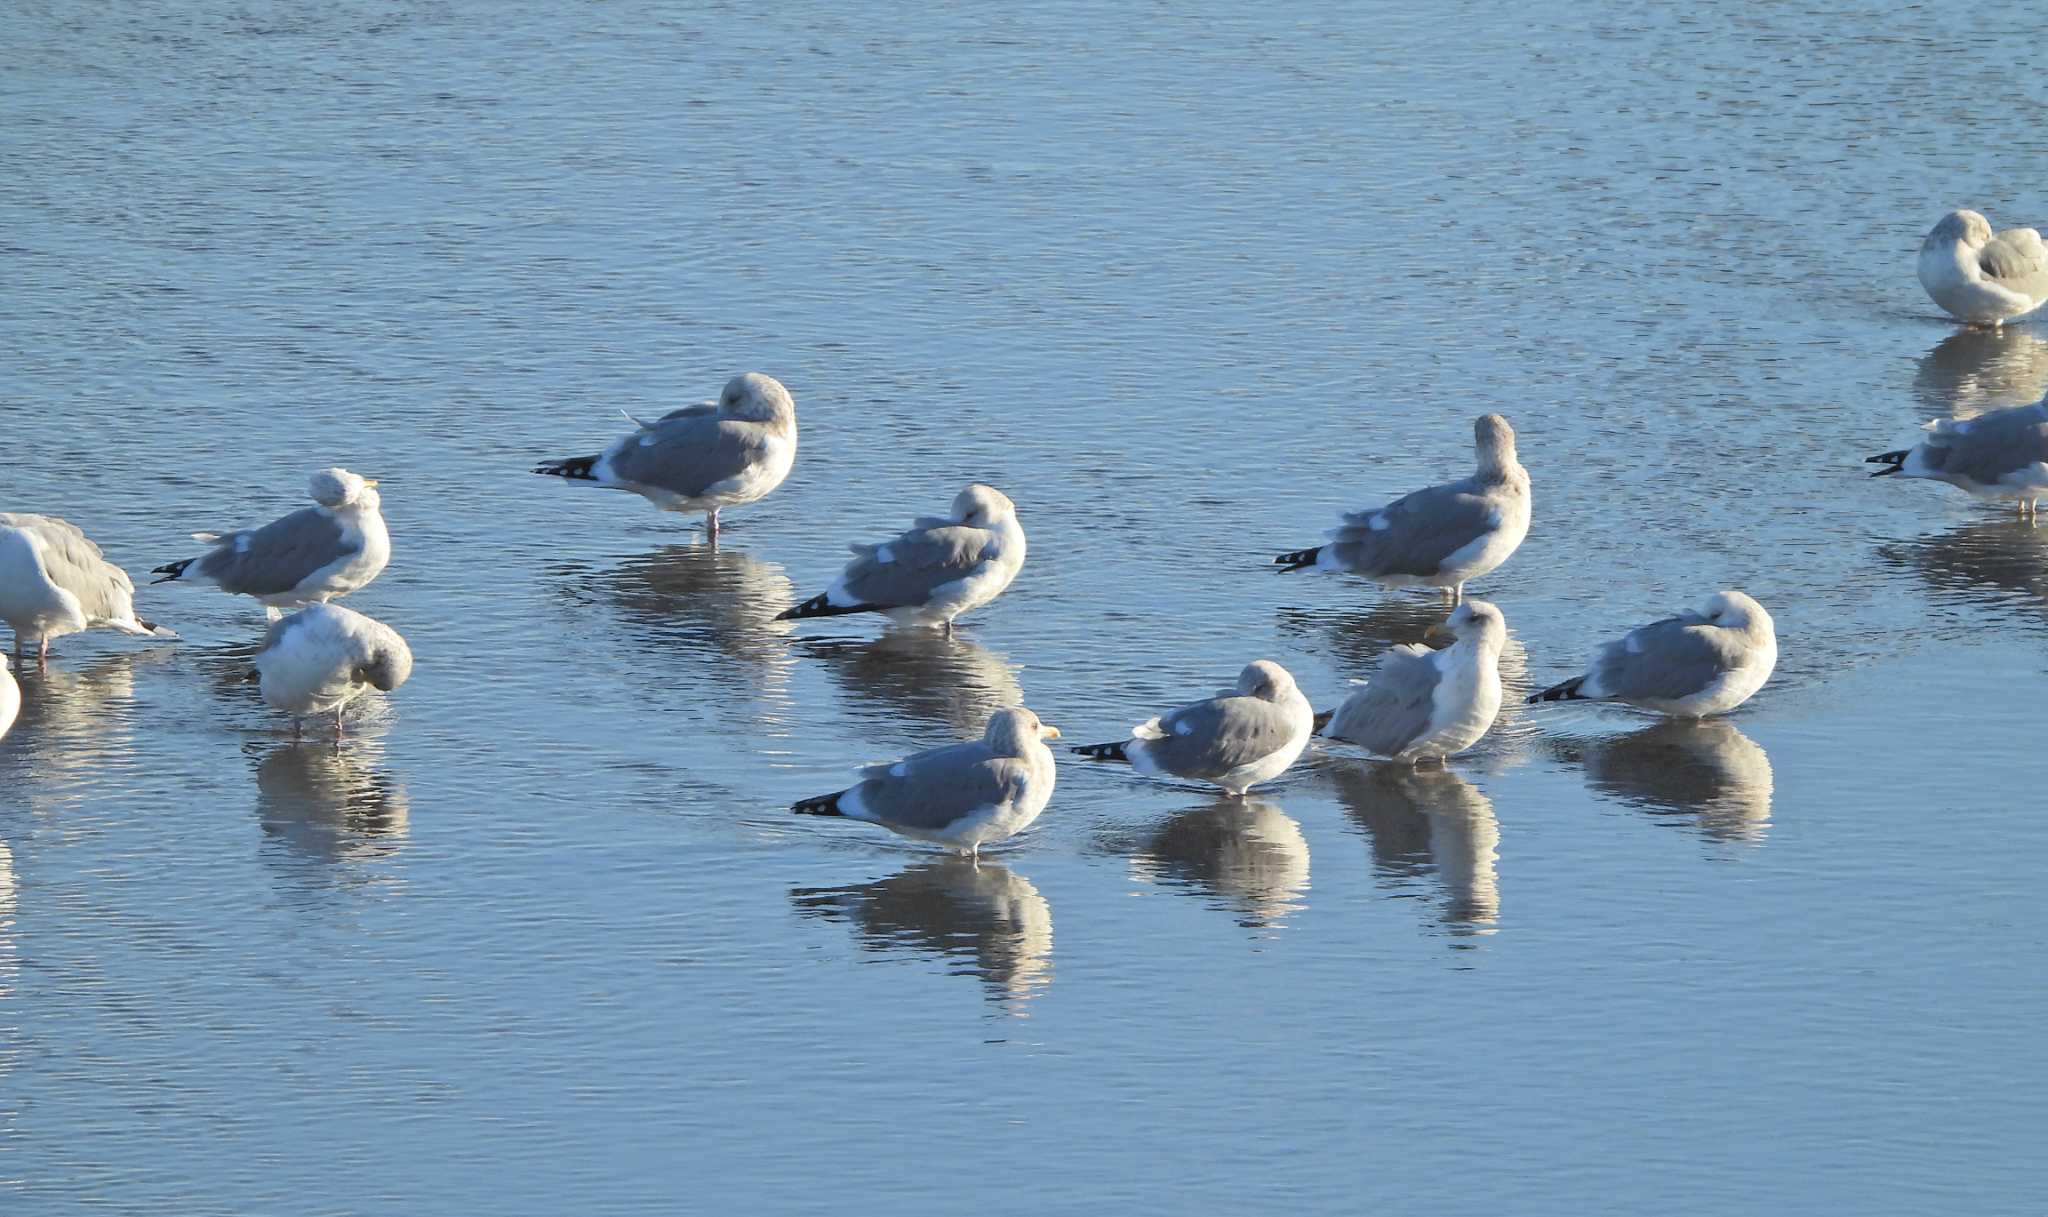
x: 331, y: 804
x: 1704, y: 772
x: 982, y: 919
x: 1247, y: 855
x: 1974, y: 370
x: 920, y: 675
x: 1428, y: 821
x: 1996, y: 554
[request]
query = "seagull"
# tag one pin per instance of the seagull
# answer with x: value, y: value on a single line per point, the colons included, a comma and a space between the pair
x: 1236, y: 739
x: 962, y: 795
x: 936, y: 571
x: 2002, y: 454
x: 700, y: 458
x: 311, y: 556
x: 323, y: 657
x: 54, y: 581
x: 1423, y: 705
x: 10, y: 699
x: 1981, y: 277
x: 1440, y: 536
x: 1693, y: 665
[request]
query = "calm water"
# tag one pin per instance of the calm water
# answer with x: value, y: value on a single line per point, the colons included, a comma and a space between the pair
x: 1186, y: 281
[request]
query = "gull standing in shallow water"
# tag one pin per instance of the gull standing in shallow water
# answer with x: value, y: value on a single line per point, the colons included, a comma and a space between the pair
x: 323, y: 657
x: 962, y: 795
x: 54, y: 581
x: 936, y: 571
x: 1999, y: 455
x: 1236, y: 739
x: 311, y: 556
x: 1424, y: 705
x: 1981, y: 277
x: 1689, y: 666
x: 703, y: 457
x: 1440, y: 536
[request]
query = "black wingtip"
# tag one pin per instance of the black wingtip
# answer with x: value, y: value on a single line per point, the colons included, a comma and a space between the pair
x: 1322, y: 719
x: 171, y: 570
x: 575, y: 468
x: 821, y: 605
x: 1563, y: 691
x: 823, y: 805
x: 1896, y: 461
x: 1300, y: 559
x: 1104, y: 752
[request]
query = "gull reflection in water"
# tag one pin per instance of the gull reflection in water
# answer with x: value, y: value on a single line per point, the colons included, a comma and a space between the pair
x: 10, y: 962
x: 1423, y: 820
x: 1974, y: 370
x: 921, y: 676
x: 983, y: 919
x: 331, y: 804
x: 74, y: 726
x: 1706, y: 771
x: 1247, y: 854
x: 695, y: 601
x: 1999, y: 554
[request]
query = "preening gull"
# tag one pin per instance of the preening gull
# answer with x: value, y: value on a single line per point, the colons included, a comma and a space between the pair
x: 1981, y: 277
x: 962, y: 795
x: 10, y: 699
x: 1440, y: 536
x: 311, y: 556
x: 1236, y: 739
x: 703, y: 457
x: 1424, y: 705
x: 936, y: 571
x: 323, y: 657
x: 1999, y: 455
x: 1689, y: 666
x: 54, y: 581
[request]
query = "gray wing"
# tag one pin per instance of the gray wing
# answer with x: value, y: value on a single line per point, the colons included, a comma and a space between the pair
x: 907, y: 570
x: 1213, y: 737
x: 688, y: 453
x: 2017, y: 260
x: 275, y: 635
x: 1394, y: 709
x: 1414, y: 534
x: 930, y: 790
x: 1667, y: 660
x: 279, y: 556
x: 1989, y: 446
x: 75, y: 564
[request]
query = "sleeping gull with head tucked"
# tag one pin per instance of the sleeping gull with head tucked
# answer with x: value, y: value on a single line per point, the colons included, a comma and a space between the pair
x: 1982, y: 277
x: 936, y: 571
x: 1424, y: 705
x: 2002, y: 454
x: 700, y: 458
x: 1689, y: 666
x: 1237, y: 739
x: 962, y: 795
x: 1440, y: 536
x: 54, y: 581
x: 311, y: 556
x: 323, y: 657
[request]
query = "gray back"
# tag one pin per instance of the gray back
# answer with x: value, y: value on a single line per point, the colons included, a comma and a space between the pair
x: 688, y: 453
x: 280, y: 555
x: 75, y: 564
x: 907, y: 570
x: 1213, y: 737
x: 1423, y: 529
x: 1394, y: 708
x: 1677, y: 657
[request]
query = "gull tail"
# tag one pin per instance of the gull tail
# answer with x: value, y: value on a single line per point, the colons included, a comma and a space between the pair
x: 1300, y: 559
x: 1322, y: 719
x: 141, y: 628
x: 171, y: 571
x: 821, y: 606
x: 1563, y: 691
x: 575, y: 468
x: 1895, y: 461
x: 1105, y: 752
x: 823, y: 805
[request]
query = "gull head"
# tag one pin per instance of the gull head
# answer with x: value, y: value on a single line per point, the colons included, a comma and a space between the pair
x: 756, y: 397
x: 1476, y: 621
x: 1266, y: 680
x: 1967, y: 227
x: 389, y: 666
x: 983, y: 506
x: 1013, y: 729
x: 1495, y: 441
x: 340, y: 488
x: 1734, y: 611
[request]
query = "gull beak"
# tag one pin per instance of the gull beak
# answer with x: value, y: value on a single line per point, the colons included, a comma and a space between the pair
x: 369, y: 481
x: 1048, y: 731
x: 1437, y: 637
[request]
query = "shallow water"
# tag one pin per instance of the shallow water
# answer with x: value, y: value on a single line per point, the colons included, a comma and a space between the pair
x: 1186, y: 282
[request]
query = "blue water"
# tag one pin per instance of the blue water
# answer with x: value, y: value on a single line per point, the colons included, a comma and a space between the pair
x: 1185, y: 281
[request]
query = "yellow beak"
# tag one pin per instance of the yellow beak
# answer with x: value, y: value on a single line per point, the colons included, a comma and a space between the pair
x: 1049, y: 731
x: 1439, y: 637
x: 369, y: 481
